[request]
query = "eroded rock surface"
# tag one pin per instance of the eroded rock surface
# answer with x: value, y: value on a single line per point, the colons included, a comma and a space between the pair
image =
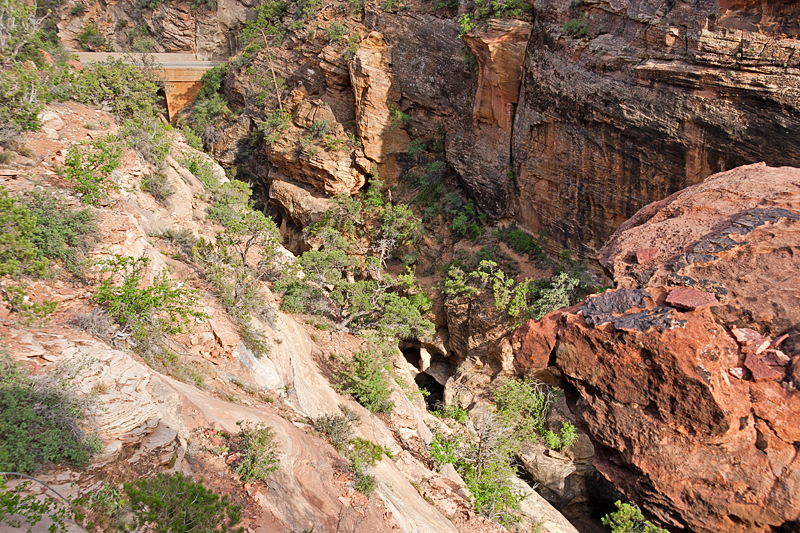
x: 735, y: 235
x: 687, y: 400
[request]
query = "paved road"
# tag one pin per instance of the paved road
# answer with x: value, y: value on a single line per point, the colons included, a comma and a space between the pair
x: 182, y: 61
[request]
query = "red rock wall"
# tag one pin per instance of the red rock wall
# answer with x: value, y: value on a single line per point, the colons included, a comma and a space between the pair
x: 655, y: 97
x: 693, y: 417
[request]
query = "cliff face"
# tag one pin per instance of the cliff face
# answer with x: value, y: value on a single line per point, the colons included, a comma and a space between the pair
x: 210, y: 33
x: 624, y: 103
x: 686, y: 377
x: 569, y: 124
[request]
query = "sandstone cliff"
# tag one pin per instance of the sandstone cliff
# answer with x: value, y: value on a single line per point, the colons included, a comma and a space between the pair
x: 624, y: 103
x: 569, y: 123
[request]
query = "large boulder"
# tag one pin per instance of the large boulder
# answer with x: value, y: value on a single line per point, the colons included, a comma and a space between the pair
x: 685, y: 376
x: 733, y: 235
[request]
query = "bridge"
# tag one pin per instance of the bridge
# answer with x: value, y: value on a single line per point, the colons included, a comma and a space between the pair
x: 182, y: 72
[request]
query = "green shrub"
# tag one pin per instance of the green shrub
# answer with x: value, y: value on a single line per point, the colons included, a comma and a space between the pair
x: 568, y: 436
x: 21, y: 92
x: 18, y: 511
x: 373, y: 196
x: 338, y: 428
x: 332, y: 144
x: 443, y: 450
x: 143, y: 45
x: 157, y: 184
x: 367, y: 451
x: 369, y: 304
x: 320, y: 128
x: 182, y: 240
x: 335, y: 32
x: 148, y: 313
x: 256, y: 448
x: 18, y: 253
x: 299, y: 297
x: 521, y: 242
x: 148, y: 5
x: 417, y: 146
x: 273, y: 127
x: 562, y: 290
x: 175, y: 504
x: 523, y: 404
x: 453, y: 411
x: 503, y: 8
x: 150, y: 138
x: 227, y: 264
x: 364, y: 483
x: 207, y: 112
x: 352, y: 46
x: 365, y: 378
x: 467, y: 24
x: 267, y: 22
x: 484, y: 462
x: 552, y: 440
x: 78, y: 10
x: 88, y: 167
x: 90, y: 39
x: 345, y: 215
x: 628, y: 518
x: 108, y: 506
x: 202, y: 170
x: 397, y: 118
x: 391, y: 6
x: 361, y: 453
x: 465, y: 223
x: 19, y: 25
x: 494, y: 497
x: 128, y: 89
x: 577, y: 27
x: 231, y: 199
x: 192, y: 139
x: 29, y: 310
x: 209, y: 5
x: 41, y: 419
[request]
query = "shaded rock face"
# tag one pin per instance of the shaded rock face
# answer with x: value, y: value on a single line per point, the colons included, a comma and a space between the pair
x: 693, y: 413
x: 409, y: 64
x: 301, y: 154
x: 475, y: 327
x: 642, y: 99
x: 180, y: 27
x: 376, y: 97
x: 437, y: 88
x: 500, y: 51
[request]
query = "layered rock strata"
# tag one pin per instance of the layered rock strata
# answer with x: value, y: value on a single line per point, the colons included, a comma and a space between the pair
x: 624, y: 103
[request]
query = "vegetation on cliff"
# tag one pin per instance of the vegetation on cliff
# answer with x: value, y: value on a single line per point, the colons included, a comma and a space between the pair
x: 42, y: 419
x: 484, y: 455
x: 356, y: 239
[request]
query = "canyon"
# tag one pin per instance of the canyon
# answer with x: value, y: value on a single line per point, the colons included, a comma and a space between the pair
x: 653, y: 140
